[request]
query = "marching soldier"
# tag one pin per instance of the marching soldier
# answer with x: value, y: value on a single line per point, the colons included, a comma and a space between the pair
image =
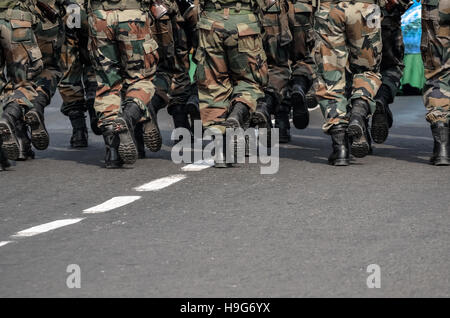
x: 49, y: 31
x: 125, y: 57
x: 276, y: 40
x: 21, y: 56
x: 79, y: 84
x: 347, y: 36
x: 391, y: 68
x: 172, y: 80
x: 231, y: 63
x: 435, y: 47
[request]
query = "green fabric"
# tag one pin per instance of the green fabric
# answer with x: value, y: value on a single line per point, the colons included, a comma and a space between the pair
x: 413, y: 74
x: 4, y: 4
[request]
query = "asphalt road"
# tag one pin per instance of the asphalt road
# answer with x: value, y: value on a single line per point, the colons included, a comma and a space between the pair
x: 309, y: 230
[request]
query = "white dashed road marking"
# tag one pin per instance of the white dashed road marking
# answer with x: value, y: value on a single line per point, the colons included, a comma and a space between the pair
x: 32, y: 231
x: 199, y: 165
x: 112, y: 204
x: 3, y: 243
x: 159, y: 184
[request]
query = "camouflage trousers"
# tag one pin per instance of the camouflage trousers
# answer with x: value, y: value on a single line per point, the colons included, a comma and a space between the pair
x: 300, y: 23
x: 21, y: 56
x: 231, y: 62
x: 50, y: 38
x: 347, y: 36
x: 276, y: 40
x: 79, y: 84
x: 172, y: 80
x: 435, y: 49
x: 393, y: 52
x: 125, y: 56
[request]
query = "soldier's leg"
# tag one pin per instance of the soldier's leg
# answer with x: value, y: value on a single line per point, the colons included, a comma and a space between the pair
x: 364, y: 38
x: 50, y: 39
x: 107, y: 64
x: 140, y: 58
x: 212, y: 76
x: 391, y: 70
x: 72, y: 91
x: 435, y: 47
x: 276, y: 40
x: 22, y: 57
x: 4, y: 162
x: 303, y: 68
x: 331, y: 57
x: 249, y: 72
x: 181, y: 88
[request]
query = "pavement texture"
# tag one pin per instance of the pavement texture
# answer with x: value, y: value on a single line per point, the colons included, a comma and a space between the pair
x: 310, y: 230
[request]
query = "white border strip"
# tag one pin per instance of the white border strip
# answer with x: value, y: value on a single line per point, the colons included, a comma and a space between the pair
x: 3, y: 243
x: 112, y: 204
x: 159, y: 184
x: 199, y: 165
x: 32, y: 231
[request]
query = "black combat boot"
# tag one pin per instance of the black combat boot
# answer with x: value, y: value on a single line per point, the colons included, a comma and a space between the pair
x: 10, y: 124
x: 35, y: 120
x: 139, y: 137
x: 282, y: 121
x: 4, y: 162
x: 152, y: 134
x: 262, y: 115
x: 300, y: 114
x: 357, y: 128
x: 220, y: 156
x: 382, y: 118
x: 25, y: 151
x: 79, y: 137
x: 341, y: 144
x: 239, y: 116
x: 112, y: 143
x: 124, y: 128
x: 193, y: 108
x: 93, y: 118
x: 158, y: 103
x: 441, y: 151
x: 180, y: 118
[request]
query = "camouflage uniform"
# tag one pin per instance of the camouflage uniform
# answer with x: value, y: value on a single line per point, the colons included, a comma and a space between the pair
x: 124, y: 56
x: 435, y: 49
x: 231, y: 62
x: 50, y: 37
x: 20, y: 54
x: 346, y: 37
x: 79, y: 84
x: 391, y: 68
x: 276, y: 40
x: 300, y: 21
x: 172, y: 79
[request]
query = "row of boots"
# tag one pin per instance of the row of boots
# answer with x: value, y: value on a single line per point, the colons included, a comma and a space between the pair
x: 355, y: 138
x: 127, y: 136
x: 19, y: 129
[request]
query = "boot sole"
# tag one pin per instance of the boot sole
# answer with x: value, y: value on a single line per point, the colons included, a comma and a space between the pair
x: 441, y: 162
x: 127, y: 148
x: 300, y: 113
x: 152, y: 137
x: 340, y: 163
x: 259, y: 120
x: 380, y: 127
x: 10, y: 144
x: 39, y: 135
